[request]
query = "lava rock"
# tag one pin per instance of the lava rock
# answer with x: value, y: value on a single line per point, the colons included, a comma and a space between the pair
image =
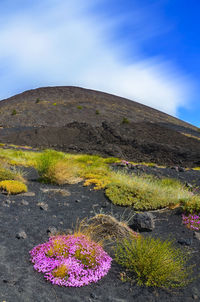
x: 24, y: 202
x: 43, y: 206
x: 184, y: 241
x: 77, y: 200
x: 143, y: 222
x: 21, y: 235
x: 28, y: 194
x: 196, y: 235
x: 51, y: 230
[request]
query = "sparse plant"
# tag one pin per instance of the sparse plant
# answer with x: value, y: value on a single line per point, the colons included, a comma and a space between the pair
x: 54, y: 104
x: 14, y: 112
x: 69, y: 260
x: 125, y: 120
x: 12, y: 187
x: 97, y: 112
x: 37, y: 100
x: 79, y: 107
x: 153, y: 262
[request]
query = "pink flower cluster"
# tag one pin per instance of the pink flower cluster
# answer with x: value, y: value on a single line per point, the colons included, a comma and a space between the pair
x: 192, y: 221
x: 125, y: 162
x: 47, y: 259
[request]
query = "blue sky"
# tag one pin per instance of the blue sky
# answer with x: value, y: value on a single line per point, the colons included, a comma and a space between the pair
x: 145, y: 50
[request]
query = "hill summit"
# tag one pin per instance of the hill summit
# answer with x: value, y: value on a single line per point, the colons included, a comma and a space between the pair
x: 75, y: 119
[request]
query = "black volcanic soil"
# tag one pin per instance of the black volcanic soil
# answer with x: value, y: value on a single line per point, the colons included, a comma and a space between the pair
x: 74, y: 119
x: 19, y: 281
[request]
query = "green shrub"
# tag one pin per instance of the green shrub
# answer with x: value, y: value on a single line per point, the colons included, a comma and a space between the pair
x: 14, y: 112
x: 125, y: 120
x: 37, y: 101
x: 54, y: 104
x: 79, y: 107
x: 153, y: 262
x: 97, y: 112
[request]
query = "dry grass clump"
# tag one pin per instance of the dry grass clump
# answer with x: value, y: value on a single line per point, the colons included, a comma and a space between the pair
x: 108, y: 227
x: 12, y: 187
x: 64, y: 172
x: 54, y: 167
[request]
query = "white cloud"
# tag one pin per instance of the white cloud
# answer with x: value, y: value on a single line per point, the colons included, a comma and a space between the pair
x: 64, y: 44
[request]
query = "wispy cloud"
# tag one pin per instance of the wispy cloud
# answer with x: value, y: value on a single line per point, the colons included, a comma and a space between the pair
x: 54, y: 43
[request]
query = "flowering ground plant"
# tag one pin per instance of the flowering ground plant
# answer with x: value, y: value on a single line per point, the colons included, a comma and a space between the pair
x: 192, y: 221
x: 71, y: 260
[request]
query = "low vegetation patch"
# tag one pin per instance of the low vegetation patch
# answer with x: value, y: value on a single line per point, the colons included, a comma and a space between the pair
x: 71, y: 260
x: 192, y: 221
x: 153, y: 262
x: 140, y: 192
x: 147, y: 193
x: 12, y: 187
x: 14, y: 112
x: 125, y: 120
x: 7, y: 174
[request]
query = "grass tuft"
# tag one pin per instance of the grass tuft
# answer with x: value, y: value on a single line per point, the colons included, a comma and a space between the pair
x: 153, y: 262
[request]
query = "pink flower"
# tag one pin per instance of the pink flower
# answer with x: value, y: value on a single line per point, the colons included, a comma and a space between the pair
x: 85, y: 261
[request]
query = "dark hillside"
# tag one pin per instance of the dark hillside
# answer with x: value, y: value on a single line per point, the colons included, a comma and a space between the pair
x: 87, y: 121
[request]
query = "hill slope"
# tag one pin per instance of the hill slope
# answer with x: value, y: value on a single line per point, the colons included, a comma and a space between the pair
x: 82, y: 120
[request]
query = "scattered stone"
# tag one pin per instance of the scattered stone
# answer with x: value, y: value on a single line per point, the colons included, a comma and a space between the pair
x: 143, y: 222
x: 77, y: 200
x: 51, y: 231
x: 181, y: 169
x: 184, y: 241
x: 21, y: 235
x: 28, y: 194
x: 178, y: 169
x: 6, y: 203
x: 175, y: 168
x: 43, y: 206
x: 196, y: 235
x: 93, y: 296
x: 24, y: 203
x: 189, y: 185
x: 195, y: 297
x: 11, y: 282
x: 196, y: 293
x: 66, y: 204
x: 63, y: 192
